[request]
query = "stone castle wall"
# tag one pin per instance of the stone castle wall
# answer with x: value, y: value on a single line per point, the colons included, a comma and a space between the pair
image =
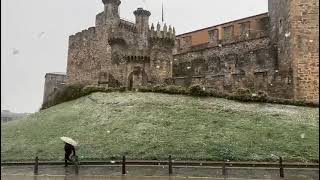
x: 248, y: 64
x: 304, y: 42
x: 83, y: 63
x: 295, y: 34
x: 279, y: 56
x: 121, y: 53
x: 282, y: 61
x: 53, y: 81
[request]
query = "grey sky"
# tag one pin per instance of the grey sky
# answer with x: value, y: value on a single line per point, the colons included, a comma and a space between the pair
x: 35, y: 35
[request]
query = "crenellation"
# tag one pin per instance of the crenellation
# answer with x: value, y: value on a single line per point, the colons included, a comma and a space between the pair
x: 275, y: 53
x: 118, y: 52
x: 128, y: 26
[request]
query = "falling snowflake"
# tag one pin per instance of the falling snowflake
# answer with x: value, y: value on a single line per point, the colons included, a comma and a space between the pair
x: 287, y: 34
x: 40, y: 34
x: 15, y: 51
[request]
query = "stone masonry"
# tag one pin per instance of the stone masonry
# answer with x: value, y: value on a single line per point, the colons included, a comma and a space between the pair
x: 276, y: 53
x: 282, y: 60
x: 295, y: 33
x: 53, y: 81
x: 119, y: 53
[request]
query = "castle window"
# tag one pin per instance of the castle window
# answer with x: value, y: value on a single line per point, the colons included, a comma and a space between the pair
x: 228, y: 32
x: 214, y: 36
x: 245, y: 29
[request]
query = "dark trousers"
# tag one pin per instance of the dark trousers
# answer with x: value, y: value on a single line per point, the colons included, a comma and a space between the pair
x: 67, y: 158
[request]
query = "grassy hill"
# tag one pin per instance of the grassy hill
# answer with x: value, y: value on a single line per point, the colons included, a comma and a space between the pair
x: 151, y: 126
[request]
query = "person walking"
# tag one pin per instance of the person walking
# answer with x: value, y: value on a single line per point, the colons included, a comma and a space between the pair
x: 69, y: 153
x: 69, y: 149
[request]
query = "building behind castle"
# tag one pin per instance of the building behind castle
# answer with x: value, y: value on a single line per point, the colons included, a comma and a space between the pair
x: 275, y: 53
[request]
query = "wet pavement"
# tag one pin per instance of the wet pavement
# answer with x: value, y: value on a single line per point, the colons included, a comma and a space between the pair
x: 157, y: 172
x: 21, y: 177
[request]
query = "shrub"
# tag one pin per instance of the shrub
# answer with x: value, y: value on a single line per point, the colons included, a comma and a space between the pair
x: 146, y: 89
x: 122, y: 89
x: 91, y: 89
x: 243, y: 92
x: 216, y: 93
x: 176, y: 90
x: 197, y: 90
x: 157, y: 88
x: 71, y: 92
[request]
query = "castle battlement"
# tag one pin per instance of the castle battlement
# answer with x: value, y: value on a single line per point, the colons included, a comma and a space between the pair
x: 118, y: 52
x: 162, y: 33
x: 274, y: 54
x: 83, y: 36
x: 128, y: 26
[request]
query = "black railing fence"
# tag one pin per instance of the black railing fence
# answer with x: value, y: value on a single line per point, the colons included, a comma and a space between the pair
x: 170, y: 164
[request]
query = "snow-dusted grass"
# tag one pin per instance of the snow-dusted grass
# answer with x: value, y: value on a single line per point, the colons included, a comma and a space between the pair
x: 152, y: 126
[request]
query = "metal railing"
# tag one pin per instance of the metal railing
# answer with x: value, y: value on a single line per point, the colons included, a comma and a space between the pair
x: 170, y: 163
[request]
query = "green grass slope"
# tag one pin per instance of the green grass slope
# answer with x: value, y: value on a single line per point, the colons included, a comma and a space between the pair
x: 152, y: 126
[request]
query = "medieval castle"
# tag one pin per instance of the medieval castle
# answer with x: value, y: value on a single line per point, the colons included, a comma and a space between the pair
x: 276, y: 52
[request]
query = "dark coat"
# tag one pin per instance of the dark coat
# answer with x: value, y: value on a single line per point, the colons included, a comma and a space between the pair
x: 68, y: 148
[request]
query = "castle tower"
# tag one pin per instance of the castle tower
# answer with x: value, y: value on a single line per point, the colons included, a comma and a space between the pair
x: 295, y: 33
x: 111, y: 11
x: 142, y: 24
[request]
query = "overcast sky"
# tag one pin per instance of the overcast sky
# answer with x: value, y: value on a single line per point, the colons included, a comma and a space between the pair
x: 34, y: 35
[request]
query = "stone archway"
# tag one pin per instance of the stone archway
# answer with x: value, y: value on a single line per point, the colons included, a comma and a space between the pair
x: 137, y: 78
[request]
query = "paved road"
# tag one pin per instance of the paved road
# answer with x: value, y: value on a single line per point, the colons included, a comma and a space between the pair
x: 19, y: 177
x: 156, y: 172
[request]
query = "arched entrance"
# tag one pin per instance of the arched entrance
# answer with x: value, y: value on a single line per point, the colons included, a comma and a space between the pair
x: 137, y: 78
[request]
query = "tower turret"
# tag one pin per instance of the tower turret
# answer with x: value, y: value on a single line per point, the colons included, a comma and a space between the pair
x: 111, y: 11
x: 142, y: 20
x: 295, y: 35
x: 142, y: 24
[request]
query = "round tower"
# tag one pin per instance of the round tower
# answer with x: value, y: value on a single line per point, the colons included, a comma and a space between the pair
x: 142, y: 24
x: 142, y: 20
x: 111, y: 11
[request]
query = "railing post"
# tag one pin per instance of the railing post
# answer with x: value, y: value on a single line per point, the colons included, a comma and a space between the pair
x: 170, y: 165
x: 224, y: 170
x: 124, y: 165
x: 76, y: 165
x: 36, y: 166
x: 281, y: 168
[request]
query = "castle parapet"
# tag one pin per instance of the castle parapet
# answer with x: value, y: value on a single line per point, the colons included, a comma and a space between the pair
x: 86, y: 35
x: 162, y: 33
x: 128, y: 26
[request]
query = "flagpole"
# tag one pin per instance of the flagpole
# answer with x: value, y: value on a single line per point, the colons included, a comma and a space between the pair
x: 162, y: 13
